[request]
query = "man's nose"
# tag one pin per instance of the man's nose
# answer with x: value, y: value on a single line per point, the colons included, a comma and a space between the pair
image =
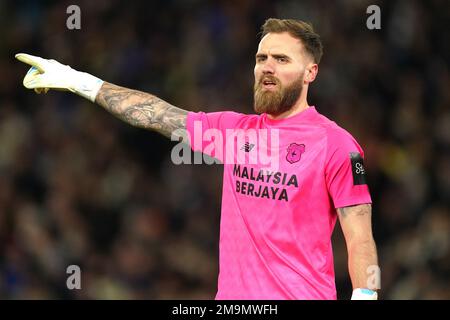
x: 268, y: 67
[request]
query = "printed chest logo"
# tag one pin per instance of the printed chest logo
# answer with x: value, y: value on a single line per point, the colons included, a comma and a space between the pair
x: 294, y: 152
x: 247, y: 147
x: 359, y: 174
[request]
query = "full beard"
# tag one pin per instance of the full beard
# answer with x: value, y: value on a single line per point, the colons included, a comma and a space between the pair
x: 278, y: 101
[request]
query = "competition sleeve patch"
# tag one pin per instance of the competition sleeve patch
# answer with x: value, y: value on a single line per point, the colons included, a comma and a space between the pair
x: 359, y: 174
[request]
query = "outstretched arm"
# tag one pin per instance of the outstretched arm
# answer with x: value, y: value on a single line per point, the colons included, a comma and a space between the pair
x: 134, y: 107
x: 356, y: 225
x: 141, y: 109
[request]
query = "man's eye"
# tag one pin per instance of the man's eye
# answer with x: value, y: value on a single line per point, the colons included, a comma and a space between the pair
x: 283, y: 60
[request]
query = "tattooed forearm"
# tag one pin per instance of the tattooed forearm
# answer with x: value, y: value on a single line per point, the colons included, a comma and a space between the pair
x: 141, y: 109
x: 357, y: 210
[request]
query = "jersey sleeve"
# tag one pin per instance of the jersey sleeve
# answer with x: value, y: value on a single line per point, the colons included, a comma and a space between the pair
x: 207, y: 132
x: 344, y: 171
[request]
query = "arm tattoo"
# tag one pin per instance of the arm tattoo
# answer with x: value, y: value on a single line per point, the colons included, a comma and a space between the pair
x: 359, y: 210
x: 141, y: 109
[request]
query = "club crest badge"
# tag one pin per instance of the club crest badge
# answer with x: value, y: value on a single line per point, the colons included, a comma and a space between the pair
x: 294, y: 152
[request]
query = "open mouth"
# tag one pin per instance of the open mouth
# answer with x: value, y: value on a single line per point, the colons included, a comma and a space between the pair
x: 268, y: 84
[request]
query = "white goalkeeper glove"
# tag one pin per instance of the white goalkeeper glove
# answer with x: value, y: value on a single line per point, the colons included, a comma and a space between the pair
x: 364, y: 294
x: 47, y: 74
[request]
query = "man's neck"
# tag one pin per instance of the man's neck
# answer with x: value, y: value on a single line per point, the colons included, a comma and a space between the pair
x: 297, y: 108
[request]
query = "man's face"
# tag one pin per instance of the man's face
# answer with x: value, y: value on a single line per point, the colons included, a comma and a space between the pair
x: 279, y: 73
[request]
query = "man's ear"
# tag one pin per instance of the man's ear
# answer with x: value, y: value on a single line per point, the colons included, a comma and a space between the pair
x: 311, y: 72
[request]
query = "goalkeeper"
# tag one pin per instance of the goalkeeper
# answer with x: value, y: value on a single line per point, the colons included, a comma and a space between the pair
x: 276, y: 227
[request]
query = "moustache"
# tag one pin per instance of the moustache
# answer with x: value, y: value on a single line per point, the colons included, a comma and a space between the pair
x: 271, y: 79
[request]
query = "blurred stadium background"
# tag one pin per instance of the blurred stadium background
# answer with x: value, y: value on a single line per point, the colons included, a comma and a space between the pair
x: 78, y: 186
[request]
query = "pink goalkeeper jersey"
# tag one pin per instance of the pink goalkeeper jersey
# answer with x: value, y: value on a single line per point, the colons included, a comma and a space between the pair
x: 276, y: 226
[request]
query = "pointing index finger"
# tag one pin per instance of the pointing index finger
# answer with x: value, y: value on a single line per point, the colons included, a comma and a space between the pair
x: 34, y: 61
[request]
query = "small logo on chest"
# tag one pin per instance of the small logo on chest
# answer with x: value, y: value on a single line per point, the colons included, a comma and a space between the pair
x: 247, y: 147
x: 294, y: 152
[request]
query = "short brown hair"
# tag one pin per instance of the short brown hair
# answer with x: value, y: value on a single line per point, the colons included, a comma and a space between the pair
x: 298, y: 29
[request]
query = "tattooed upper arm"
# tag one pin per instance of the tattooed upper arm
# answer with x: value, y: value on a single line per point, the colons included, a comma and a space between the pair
x: 359, y: 209
x: 356, y: 221
x: 141, y: 109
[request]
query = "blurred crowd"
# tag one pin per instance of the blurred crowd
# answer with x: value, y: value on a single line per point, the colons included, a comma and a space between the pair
x: 80, y: 187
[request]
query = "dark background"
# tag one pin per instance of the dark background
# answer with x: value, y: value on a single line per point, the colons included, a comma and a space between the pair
x: 78, y: 186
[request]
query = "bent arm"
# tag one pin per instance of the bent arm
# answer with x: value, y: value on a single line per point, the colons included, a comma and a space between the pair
x: 356, y: 225
x: 141, y: 109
